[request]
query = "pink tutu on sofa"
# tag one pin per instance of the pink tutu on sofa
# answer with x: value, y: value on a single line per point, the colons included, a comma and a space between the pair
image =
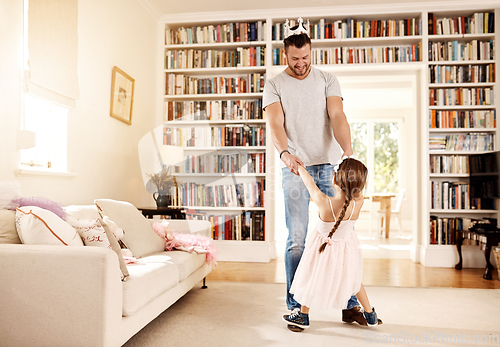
x: 187, y: 242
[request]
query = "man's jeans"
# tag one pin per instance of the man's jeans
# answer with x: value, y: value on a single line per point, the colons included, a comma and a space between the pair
x: 297, y: 218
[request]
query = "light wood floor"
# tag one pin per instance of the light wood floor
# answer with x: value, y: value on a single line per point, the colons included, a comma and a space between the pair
x: 376, y: 272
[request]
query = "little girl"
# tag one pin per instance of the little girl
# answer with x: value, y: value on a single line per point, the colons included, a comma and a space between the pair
x: 331, y: 267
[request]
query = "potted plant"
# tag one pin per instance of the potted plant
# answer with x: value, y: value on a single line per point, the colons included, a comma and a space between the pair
x: 164, y: 182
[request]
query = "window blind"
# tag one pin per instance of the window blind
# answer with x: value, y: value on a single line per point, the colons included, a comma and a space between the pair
x: 53, y: 51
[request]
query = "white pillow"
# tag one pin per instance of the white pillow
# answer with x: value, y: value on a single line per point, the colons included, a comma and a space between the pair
x: 82, y: 211
x: 139, y: 235
x: 37, y: 226
x: 90, y: 230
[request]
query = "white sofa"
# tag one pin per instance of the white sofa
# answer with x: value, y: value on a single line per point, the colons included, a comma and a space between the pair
x: 74, y: 296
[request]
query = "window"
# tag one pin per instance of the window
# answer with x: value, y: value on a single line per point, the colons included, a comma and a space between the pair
x: 49, y: 122
x: 42, y: 113
x: 377, y: 144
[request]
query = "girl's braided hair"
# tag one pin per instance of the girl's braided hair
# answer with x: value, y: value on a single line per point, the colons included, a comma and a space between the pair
x: 351, y: 178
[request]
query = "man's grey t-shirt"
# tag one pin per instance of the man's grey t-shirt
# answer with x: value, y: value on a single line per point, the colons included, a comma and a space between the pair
x: 307, y: 125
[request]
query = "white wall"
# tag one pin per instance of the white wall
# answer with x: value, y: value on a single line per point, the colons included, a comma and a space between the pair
x: 10, y: 82
x: 102, y: 151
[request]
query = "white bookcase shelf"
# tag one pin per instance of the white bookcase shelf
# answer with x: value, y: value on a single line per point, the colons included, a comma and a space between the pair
x: 457, y: 85
x: 461, y: 211
x: 463, y: 107
x: 461, y: 130
x: 214, y: 96
x: 219, y: 175
x: 216, y: 45
x: 217, y: 122
x: 460, y: 62
x: 217, y: 70
x: 456, y: 152
x: 227, y: 148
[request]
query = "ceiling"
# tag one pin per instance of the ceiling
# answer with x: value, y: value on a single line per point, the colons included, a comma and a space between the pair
x: 168, y: 8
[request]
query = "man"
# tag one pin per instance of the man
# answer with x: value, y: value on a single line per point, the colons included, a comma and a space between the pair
x: 309, y: 128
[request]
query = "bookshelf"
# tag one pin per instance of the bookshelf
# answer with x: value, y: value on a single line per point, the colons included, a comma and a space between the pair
x: 201, y: 70
x: 461, y: 103
x: 214, y: 79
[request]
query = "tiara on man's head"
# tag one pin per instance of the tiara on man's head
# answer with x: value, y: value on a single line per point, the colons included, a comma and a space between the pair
x: 300, y: 28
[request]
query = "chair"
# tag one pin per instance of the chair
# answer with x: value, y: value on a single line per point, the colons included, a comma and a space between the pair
x: 395, y: 212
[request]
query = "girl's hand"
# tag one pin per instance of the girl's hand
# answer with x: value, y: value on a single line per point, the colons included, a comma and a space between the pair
x: 292, y: 162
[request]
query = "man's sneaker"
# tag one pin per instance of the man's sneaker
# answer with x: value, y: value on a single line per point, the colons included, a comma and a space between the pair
x: 355, y: 314
x: 297, y: 318
x: 371, y: 318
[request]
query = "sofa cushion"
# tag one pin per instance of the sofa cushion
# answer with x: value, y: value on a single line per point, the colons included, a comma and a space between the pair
x: 41, y: 202
x: 8, y: 232
x: 187, y: 263
x: 37, y: 226
x: 90, y: 230
x: 138, y: 236
x: 82, y: 211
x: 113, y: 242
x: 147, y: 280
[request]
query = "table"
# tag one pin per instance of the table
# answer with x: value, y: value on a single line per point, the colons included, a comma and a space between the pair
x: 385, y: 204
x: 173, y: 212
x: 487, y: 239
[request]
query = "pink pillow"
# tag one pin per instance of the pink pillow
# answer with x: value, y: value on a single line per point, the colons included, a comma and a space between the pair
x: 41, y: 202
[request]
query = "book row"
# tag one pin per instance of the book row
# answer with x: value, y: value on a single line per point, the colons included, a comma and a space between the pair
x: 215, y: 136
x: 443, y: 231
x: 250, y: 194
x: 462, y: 119
x: 197, y: 58
x: 463, y: 142
x: 353, y: 28
x: 477, y: 23
x: 481, y: 22
x: 452, y: 195
x: 241, y: 162
x: 213, y: 110
x: 357, y: 55
x: 449, y: 164
x: 247, y: 226
x: 461, y: 51
x: 462, y: 73
x: 229, y: 32
x: 177, y: 84
x: 461, y: 96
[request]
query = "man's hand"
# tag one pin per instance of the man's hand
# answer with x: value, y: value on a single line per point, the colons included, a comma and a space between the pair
x: 292, y: 162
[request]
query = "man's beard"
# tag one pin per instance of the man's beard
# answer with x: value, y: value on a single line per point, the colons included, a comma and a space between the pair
x: 299, y: 72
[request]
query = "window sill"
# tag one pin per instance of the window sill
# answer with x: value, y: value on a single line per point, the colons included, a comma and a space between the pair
x: 43, y: 173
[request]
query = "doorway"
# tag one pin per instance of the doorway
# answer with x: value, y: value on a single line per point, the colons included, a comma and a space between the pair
x: 382, y: 112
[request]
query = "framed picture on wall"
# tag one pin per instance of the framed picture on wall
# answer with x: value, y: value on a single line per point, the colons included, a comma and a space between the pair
x: 122, y: 96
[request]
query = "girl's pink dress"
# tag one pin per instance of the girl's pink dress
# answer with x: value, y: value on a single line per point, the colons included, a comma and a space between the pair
x: 327, y: 280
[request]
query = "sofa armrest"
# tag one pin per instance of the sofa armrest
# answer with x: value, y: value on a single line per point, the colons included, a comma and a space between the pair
x: 201, y: 227
x: 59, y: 296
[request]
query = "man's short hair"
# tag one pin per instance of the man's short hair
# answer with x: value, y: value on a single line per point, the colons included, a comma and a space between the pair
x: 298, y: 41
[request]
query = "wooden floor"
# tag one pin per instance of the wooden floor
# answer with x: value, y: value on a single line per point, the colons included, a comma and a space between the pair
x: 376, y: 272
